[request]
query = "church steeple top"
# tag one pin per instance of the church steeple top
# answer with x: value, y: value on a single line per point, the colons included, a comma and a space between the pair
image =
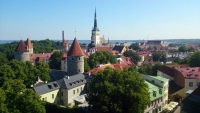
x: 95, y: 22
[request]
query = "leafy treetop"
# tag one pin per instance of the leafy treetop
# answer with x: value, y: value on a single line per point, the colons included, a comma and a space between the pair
x: 113, y: 91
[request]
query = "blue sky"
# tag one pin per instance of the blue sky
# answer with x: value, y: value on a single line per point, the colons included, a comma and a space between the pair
x: 117, y: 19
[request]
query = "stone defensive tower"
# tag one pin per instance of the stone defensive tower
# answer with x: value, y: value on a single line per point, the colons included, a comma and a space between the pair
x: 29, y: 46
x: 22, y: 52
x: 75, y: 59
x: 65, y: 43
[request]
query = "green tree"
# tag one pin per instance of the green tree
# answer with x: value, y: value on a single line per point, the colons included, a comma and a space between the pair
x: 21, y: 100
x: 195, y: 60
x: 113, y: 91
x: 156, y: 67
x: 191, y: 49
x: 3, y: 59
x: 6, y: 73
x: 146, y: 70
x: 55, y: 60
x: 134, y: 56
x: 135, y: 46
x: 182, y: 49
x: 3, y: 108
x: 42, y: 70
x: 159, y: 56
x: 86, y: 65
x: 172, y: 45
x: 101, y: 57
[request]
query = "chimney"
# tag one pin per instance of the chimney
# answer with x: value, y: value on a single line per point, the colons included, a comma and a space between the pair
x: 63, y: 36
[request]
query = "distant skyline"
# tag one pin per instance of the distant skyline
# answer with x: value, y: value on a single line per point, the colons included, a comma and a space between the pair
x: 117, y: 19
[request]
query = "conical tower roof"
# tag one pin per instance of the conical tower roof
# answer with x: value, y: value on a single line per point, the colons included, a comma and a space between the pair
x: 75, y: 49
x: 28, y: 43
x: 21, y: 47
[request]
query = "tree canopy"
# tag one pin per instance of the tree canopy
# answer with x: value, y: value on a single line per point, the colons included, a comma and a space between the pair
x: 24, y: 71
x: 135, y: 46
x: 172, y: 45
x: 55, y: 60
x: 113, y: 91
x: 18, y: 99
x: 182, y: 49
x: 195, y: 60
x: 101, y: 57
x: 134, y: 56
x: 155, y: 68
x: 159, y: 56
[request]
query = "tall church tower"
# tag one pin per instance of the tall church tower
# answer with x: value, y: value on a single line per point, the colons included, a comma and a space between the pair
x: 22, y: 52
x: 75, y: 59
x: 95, y: 38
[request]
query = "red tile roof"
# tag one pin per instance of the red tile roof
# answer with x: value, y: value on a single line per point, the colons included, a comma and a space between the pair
x: 75, y: 49
x: 28, y: 43
x: 21, y: 47
x: 65, y: 43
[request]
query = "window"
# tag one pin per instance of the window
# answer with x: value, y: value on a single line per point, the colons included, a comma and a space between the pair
x: 52, y: 96
x: 42, y: 99
x: 62, y: 102
x: 73, y: 91
x: 79, y: 70
x: 72, y: 58
x: 79, y: 58
x: 62, y: 94
x: 198, y: 84
x: 190, y: 84
x: 77, y: 91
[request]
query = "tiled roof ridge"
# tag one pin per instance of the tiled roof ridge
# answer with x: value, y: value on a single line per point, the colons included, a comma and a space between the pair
x: 28, y: 43
x: 75, y: 49
x: 21, y: 47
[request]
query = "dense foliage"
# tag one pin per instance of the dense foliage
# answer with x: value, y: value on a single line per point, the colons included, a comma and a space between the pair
x: 182, y: 61
x: 182, y: 49
x: 24, y: 71
x: 15, y: 98
x: 171, y: 45
x: 159, y: 56
x: 54, y: 108
x: 146, y: 70
x: 135, y: 46
x: 101, y: 57
x: 55, y: 60
x: 155, y: 68
x: 113, y: 91
x: 86, y: 65
x: 42, y: 46
x: 134, y: 56
x: 195, y: 60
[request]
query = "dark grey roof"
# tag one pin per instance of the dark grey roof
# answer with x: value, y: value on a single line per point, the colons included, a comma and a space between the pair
x: 44, y: 88
x: 174, y: 87
x: 118, y: 48
x: 65, y: 83
x: 73, y: 81
x: 57, y: 74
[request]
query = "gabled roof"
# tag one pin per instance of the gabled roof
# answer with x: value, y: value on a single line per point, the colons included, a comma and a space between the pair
x: 28, y: 43
x: 21, y: 47
x: 118, y: 48
x: 65, y: 83
x: 75, y: 49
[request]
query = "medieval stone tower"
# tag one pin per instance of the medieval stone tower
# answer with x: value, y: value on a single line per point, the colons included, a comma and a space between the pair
x: 22, y: 52
x: 75, y: 59
x: 95, y: 38
x: 65, y: 44
x: 29, y: 46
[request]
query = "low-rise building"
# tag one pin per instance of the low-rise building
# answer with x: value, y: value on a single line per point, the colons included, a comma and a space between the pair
x: 187, y: 77
x: 158, y: 92
x: 62, y: 91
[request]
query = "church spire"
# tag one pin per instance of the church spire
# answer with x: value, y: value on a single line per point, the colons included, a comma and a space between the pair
x: 95, y: 22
